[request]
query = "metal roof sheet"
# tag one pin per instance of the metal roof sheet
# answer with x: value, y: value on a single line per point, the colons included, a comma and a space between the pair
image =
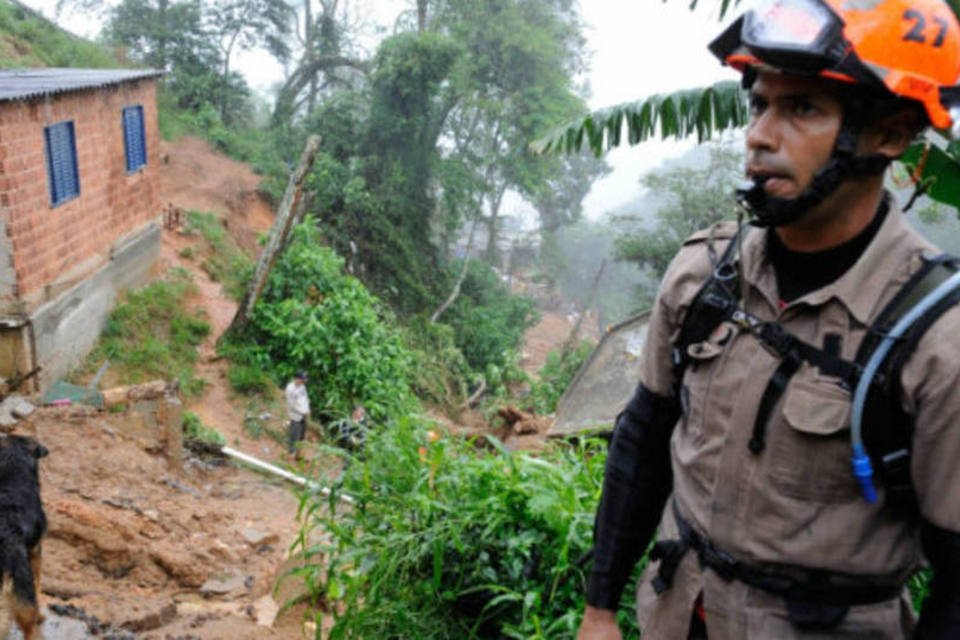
x: 25, y: 84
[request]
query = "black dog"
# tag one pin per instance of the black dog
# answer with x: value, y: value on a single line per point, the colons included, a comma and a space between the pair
x: 22, y: 525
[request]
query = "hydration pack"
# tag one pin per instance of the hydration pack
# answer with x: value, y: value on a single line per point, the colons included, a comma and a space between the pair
x: 888, y: 429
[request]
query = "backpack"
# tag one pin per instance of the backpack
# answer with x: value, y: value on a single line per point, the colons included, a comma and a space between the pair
x: 874, y: 373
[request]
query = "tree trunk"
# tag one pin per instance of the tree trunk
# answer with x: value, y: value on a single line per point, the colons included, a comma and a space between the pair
x: 279, y: 233
x: 463, y: 274
x: 491, y: 251
x: 572, y: 338
x: 421, y: 16
x: 223, y: 88
x: 162, y: 40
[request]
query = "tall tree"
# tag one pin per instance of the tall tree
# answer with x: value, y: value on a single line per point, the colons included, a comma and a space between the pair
x: 694, y: 195
x: 327, y: 59
x: 172, y: 36
x: 559, y: 200
x: 243, y: 24
x: 516, y: 80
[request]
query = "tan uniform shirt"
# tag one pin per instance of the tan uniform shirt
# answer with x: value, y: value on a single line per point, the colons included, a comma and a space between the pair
x: 797, y: 501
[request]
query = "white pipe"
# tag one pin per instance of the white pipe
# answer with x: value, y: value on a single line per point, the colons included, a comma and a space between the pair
x: 283, y: 473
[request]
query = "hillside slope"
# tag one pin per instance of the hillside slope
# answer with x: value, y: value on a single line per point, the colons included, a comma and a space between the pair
x: 27, y: 39
x: 137, y: 547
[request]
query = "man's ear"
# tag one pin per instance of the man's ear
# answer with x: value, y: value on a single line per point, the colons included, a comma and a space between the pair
x: 893, y: 133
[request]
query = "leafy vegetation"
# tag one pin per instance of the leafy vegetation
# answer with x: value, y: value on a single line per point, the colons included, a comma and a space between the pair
x: 693, y: 198
x: 152, y: 334
x: 194, y: 429
x: 314, y: 317
x: 483, y: 543
x: 555, y: 376
x: 225, y: 261
x: 28, y: 40
x: 488, y: 321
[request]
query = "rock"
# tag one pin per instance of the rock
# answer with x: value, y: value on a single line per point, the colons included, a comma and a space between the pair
x: 7, y: 419
x: 257, y: 538
x: 265, y: 611
x: 186, y: 570
x: 147, y: 615
x: 20, y: 407
x: 224, y: 585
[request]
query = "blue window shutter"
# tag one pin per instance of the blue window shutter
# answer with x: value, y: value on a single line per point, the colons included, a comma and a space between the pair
x: 134, y: 138
x: 62, y: 162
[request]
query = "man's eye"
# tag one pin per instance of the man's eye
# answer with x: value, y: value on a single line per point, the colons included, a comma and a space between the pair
x: 757, y: 105
x: 803, y: 108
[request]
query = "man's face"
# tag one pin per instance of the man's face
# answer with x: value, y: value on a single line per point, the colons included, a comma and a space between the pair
x: 793, y: 126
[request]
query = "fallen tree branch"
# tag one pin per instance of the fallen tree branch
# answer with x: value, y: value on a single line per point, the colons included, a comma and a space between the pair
x: 472, y: 400
x: 282, y: 226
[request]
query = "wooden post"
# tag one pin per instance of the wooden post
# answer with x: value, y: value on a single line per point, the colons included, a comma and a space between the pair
x: 171, y: 419
x: 279, y: 233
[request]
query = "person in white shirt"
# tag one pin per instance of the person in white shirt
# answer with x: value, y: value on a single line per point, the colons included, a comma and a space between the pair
x: 298, y: 410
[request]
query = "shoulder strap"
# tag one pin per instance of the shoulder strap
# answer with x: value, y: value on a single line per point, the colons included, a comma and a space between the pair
x: 887, y: 429
x: 712, y: 305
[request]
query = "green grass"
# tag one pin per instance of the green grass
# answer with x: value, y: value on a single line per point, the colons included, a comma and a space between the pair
x: 226, y: 262
x: 27, y: 39
x: 151, y: 334
x: 484, y: 543
x: 194, y: 429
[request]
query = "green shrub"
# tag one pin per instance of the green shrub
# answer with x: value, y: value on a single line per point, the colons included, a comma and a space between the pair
x: 249, y: 380
x: 445, y: 540
x: 151, y: 334
x: 194, y: 429
x: 314, y: 317
x: 555, y: 376
x: 441, y: 371
x: 488, y: 321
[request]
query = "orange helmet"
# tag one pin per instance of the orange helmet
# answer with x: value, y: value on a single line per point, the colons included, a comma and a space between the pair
x: 910, y: 48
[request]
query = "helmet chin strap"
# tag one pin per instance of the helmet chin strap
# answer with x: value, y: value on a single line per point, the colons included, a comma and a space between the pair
x: 771, y: 211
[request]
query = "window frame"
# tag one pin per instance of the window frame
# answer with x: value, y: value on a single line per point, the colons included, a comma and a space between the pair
x: 56, y: 180
x: 131, y: 162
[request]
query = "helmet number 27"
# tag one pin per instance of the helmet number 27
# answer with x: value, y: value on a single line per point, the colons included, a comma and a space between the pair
x: 920, y: 23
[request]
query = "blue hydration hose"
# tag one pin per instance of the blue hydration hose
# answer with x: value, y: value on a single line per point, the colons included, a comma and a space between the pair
x: 862, y: 467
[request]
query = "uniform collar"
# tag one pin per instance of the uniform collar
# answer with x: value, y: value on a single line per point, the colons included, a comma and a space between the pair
x: 885, y: 262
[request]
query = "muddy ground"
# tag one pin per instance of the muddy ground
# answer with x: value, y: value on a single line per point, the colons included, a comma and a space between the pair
x: 138, y: 547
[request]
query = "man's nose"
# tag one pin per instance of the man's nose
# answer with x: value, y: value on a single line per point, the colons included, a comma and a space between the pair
x: 763, y: 131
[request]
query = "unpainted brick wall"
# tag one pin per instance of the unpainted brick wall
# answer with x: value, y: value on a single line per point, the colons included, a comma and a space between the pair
x: 49, y: 241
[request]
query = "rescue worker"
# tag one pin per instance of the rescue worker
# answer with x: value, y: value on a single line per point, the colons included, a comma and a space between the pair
x: 298, y: 410
x: 741, y: 459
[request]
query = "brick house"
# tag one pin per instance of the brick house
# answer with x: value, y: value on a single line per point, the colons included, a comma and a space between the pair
x: 79, y: 208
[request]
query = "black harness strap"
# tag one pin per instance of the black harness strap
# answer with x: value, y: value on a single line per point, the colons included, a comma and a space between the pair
x: 798, y: 585
x: 712, y: 305
x: 888, y: 439
x: 775, y: 388
x: 717, y: 302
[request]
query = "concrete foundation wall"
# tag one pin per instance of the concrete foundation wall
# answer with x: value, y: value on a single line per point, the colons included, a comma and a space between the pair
x: 66, y: 328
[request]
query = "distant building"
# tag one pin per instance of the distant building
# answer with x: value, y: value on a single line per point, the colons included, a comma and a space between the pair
x: 79, y: 204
